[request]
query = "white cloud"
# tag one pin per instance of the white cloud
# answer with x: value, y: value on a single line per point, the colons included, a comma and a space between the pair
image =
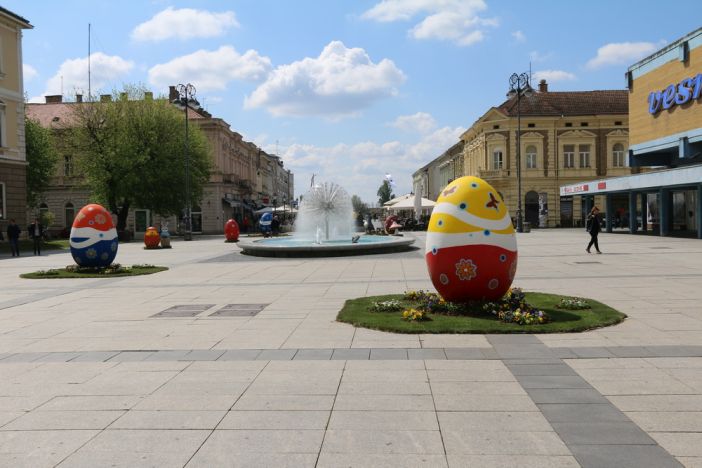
x: 449, y: 20
x: 29, y: 72
x: 536, y: 56
x: 209, y: 70
x: 420, y: 122
x: 622, y: 53
x: 340, y: 82
x: 185, y: 23
x: 72, y: 75
x: 361, y: 167
x: 519, y: 36
x: 552, y: 76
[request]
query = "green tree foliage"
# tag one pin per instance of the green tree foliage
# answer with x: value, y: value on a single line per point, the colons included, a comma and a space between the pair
x: 131, y: 151
x: 359, y: 206
x: 385, y: 193
x: 41, y: 159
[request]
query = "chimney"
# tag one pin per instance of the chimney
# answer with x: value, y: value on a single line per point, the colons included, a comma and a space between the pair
x: 543, y: 86
x: 148, y: 96
x: 172, y: 94
x: 54, y: 99
x: 79, y: 98
x: 105, y: 97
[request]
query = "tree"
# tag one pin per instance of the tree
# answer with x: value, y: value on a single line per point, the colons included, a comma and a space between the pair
x: 358, y: 206
x: 41, y: 160
x: 385, y: 193
x: 131, y: 151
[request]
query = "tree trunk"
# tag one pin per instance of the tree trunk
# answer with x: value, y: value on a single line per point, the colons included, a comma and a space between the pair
x: 122, y: 213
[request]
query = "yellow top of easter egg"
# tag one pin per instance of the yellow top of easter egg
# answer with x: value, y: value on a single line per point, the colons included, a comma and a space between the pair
x: 470, y: 204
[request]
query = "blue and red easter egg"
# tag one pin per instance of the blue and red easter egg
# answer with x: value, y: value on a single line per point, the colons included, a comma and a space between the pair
x: 93, y: 237
x: 471, y: 249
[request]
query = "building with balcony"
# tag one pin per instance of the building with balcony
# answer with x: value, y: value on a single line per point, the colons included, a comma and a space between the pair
x: 13, y: 159
x: 437, y: 174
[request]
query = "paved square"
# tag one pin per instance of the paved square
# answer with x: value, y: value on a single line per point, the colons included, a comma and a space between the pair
x: 228, y: 359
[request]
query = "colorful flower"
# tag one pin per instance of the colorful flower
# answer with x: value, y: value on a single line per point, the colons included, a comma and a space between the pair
x: 466, y: 270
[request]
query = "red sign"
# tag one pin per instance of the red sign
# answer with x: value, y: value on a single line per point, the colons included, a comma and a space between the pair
x: 601, y: 185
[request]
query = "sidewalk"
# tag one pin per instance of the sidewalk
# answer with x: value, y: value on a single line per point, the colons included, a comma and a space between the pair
x: 229, y: 360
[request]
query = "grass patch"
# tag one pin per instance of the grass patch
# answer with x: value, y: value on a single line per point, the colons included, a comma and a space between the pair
x: 26, y: 247
x: 358, y: 313
x: 113, y: 271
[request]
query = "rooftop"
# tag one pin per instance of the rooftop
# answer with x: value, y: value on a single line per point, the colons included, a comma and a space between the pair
x: 569, y: 103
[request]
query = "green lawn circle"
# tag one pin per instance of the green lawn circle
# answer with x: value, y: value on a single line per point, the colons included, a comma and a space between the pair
x: 61, y: 273
x: 357, y: 312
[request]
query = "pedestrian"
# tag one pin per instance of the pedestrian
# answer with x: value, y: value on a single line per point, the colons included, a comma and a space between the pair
x: 13, y: 232
x: 245, y: 224
x: 593, y: 226
x: 275, y: 225
x: 36, y: 232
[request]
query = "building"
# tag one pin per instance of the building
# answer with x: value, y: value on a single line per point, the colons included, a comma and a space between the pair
x: 565, y: 137
x: 13, y: 158
x: 242, y: 179
x: 437, y: 174
x: 665, y: 90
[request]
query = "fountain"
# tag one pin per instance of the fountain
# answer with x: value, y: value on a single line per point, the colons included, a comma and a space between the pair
x: 325, y: 227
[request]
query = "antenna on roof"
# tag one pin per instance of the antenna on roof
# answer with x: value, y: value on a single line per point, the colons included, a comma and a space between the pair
x: 89, y: 91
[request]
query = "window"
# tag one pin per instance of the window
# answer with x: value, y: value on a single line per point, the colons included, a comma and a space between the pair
x: 497, y: 159
x: 70, y: 214
x: 569, y: 124
x: 584, y: 151
x: 583, y: 124
x: 3, y: 212
x: 618, y: 156
x: 3, y: 141
x: 68, y: 166
x: 569, y: 156
x: 531, y: 157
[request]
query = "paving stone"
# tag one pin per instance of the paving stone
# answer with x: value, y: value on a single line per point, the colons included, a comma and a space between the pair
x: 601, y: 433
x: 362, y: 460
x: 426, y: 353
x: 240, y: 355
x: 388, y: 354
x: 592, y: 352
x: 170, y: 355
x: 131, y: 356
x: 313, y: 354
x: 553, y: 381
x: 573, y: 412
x: 489, y: 353
x: 202, y: 355
x: 58, y: 357
x: 523, y: 351
x: 541, y: 369
x: 623, y: 456
x: 566, y: 395
x: 532, y: 361
x: 276, y: 355
x: 464, y: 353
x: 513, y: 339
x: 674, y: 351
x: 629, y: 351
x: 95, y: 356
x: 564, y: 353
x: 23, y: 357
x: 362, y: 354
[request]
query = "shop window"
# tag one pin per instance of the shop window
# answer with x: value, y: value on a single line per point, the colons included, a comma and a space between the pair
x: 618, y: 156
x: 497, y: 162
x: 584, y: 152
x: 70, y: 213
x: 568, y: 156
x: 531, y: 157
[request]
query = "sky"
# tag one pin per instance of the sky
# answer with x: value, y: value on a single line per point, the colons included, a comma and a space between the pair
x: 347, y: 90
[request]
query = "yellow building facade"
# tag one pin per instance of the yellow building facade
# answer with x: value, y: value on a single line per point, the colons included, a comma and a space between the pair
x: 13, y: 161
x: 565, y: 137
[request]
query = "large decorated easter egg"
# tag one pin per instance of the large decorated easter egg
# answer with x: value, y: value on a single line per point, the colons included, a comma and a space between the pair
x: 93, y: 239
x: 231, y: 231
x: 471, y: 249
x: 151, y: 238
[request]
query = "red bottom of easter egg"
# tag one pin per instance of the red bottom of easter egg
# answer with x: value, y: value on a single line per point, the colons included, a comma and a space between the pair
x: 472, y: 272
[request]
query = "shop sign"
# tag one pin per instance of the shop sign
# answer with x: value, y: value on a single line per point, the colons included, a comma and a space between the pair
x: 675, y: 94
x: 577, y: 188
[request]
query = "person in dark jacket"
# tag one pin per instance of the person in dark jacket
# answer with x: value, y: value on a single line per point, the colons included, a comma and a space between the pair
x: 36, y: 233
x: 13, y: 233
x: 594, y: 225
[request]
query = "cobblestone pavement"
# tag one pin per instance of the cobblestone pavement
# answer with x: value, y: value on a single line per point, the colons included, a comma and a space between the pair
x: 228, y: 360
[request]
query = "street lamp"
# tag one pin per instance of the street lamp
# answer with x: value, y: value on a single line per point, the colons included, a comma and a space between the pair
x: 518, y: 86
x: 186, y: 96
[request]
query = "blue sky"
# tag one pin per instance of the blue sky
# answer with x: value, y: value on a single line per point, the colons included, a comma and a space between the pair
x: 349, y: 91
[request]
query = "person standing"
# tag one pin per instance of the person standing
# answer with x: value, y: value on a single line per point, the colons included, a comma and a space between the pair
x: 13, y: 232
x: 275, y: 225
x: 36, y: 232
x: 594, y: 225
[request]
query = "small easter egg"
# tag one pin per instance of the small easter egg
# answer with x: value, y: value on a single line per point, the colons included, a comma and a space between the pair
x: 151, y: 237
x: 231, y: 231
x: 471, y: 249
x: 93, y: 239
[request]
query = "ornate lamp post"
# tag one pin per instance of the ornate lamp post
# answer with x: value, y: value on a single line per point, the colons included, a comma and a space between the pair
x: 186, y: 96
x: 519, y: 85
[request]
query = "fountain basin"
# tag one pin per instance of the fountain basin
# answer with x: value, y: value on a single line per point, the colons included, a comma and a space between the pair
x: 297, y: 247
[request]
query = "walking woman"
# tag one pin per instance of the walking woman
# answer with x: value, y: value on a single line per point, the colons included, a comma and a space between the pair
x: 594, y: 225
